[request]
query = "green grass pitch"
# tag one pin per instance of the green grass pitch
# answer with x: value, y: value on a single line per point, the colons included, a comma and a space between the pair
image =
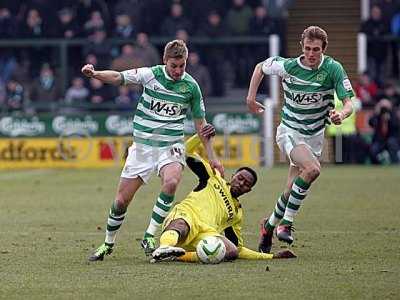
x: 347, y: 240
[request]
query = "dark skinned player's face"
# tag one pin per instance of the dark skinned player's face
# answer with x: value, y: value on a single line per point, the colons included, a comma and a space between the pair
x: 175, y: 67
x: 241, y: 183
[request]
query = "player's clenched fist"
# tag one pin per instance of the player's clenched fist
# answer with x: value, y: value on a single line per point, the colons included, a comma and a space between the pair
x: 336, y: 117
x: 88, y: 70
x: 208, y: 131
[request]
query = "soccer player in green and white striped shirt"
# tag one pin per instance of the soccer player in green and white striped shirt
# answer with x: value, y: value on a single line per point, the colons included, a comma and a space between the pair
x: 309, y: 83
x: 168, y: 93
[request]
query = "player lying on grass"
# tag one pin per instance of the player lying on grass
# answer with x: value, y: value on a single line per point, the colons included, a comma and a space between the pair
x: 211, y: 209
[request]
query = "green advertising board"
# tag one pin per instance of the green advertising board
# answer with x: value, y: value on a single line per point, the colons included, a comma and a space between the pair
x: 111, y: 125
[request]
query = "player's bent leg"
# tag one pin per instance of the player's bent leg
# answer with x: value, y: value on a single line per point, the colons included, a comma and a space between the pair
x: 267, y: 225
x: 180, y: 227
x: 176, y: 231
x: 309, y: 166
x: 170, y: 177
x: 126, y: 190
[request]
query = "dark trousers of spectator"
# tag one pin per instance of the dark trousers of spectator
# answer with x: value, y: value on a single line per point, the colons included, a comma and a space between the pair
x: 215, y: 67
x: 395, y: 60
x: 391, y: 145
x: 281, y: 27
x: 376, y: 69
x: 7, y: 67
x: 242, y: 60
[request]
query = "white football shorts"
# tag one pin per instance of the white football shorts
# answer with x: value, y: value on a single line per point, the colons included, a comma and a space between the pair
x: 287, y: 139
x: 143, y: 160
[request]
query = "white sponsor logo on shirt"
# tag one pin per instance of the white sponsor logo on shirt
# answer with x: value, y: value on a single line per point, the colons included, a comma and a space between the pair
x: 165, y: 109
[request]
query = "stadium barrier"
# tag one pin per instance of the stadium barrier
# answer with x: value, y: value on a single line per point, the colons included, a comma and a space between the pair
x: 101, y: 140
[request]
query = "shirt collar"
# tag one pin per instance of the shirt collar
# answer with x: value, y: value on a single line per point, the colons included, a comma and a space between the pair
x: 308, y: 68
x: 169, y: 77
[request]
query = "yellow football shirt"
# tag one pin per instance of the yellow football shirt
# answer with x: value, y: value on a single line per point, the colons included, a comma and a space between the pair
x: 210, y: 206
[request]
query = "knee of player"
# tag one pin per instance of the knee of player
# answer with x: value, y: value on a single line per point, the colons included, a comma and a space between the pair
x: 180, y: 226
x: 312, y: 171
x: 231, y: 253
x: 120, y: 203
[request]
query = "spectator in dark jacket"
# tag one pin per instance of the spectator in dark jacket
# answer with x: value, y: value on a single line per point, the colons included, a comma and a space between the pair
x: 77, y: 93
x: 199, y: 72
x: 390, y: 92
x: 34, y: 28
x: 15, y: 96
x: 126, y: 98
x: 95, y: 23
x: 175, y: 21
x: 376, y: 27
x: 385, y: 124
x: 100, y: 94
x: 45, y: 91
x: 7, y: 24
x: 149, y: 54
x: 85, y: 8
x: 215, y: 59
x: 99, y: 46
x: 67, y: 27
x: 261, y: 24
x: 123, y: 27
x: 238, y: 17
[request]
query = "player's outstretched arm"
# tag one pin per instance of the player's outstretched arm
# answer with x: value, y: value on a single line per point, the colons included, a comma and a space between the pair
x: 195, y: 162
x: 246, y: 253
x: 256, y: 78
x: 207, y: 142
x: 106, y: 76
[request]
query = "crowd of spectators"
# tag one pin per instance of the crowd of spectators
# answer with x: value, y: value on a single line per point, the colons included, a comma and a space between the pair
x: 378, y: 87
x: 383, y: 53
x: 31, y: 74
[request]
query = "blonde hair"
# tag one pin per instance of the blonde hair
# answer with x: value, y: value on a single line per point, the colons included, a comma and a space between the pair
x: 175, y: 49
x: 315, y: 33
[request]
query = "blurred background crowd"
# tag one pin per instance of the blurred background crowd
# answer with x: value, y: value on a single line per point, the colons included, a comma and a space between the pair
x: 117, y: 35
x: 124, y: 34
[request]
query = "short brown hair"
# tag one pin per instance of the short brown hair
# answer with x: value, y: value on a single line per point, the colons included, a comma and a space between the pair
x: 315, y: 33
x: 175, y: 49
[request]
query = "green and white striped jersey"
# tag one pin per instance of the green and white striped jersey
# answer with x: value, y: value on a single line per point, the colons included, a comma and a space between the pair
x: 163, y: 105
x: 308, y: 93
